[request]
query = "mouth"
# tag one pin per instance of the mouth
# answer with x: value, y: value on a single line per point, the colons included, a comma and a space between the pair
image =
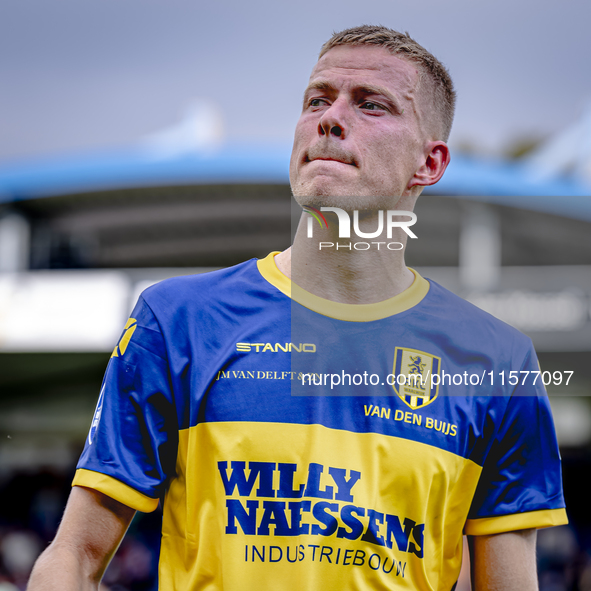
x: 339, y: 159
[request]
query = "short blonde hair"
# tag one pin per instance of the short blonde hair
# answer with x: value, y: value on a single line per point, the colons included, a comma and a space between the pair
x: 436, y: 84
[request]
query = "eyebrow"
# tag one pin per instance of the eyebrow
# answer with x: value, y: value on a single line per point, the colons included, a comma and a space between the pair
x: 318, y: 85
x: 364, y: 89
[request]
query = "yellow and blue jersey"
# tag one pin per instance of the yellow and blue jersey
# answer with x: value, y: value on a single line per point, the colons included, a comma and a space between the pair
x: 306, y: 444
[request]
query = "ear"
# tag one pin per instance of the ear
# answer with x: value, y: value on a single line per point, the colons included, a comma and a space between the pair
x: 436, y: 161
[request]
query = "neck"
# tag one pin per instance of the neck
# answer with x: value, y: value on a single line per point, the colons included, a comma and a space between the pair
x: 347, y: 275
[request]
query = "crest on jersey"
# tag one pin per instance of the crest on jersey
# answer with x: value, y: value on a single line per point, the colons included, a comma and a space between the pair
x: 412, y: 376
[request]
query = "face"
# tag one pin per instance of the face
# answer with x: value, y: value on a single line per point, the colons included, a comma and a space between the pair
x: 361, y: 132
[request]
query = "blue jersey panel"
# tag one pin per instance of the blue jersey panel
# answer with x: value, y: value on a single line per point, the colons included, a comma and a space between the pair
x: 134, y: 435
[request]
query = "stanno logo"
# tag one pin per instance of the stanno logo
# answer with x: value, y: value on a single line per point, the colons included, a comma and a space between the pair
x: 270, y: 348
x: 129, y: 328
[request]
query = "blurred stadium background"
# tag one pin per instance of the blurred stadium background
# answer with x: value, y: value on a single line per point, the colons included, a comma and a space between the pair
x: 88, y: 220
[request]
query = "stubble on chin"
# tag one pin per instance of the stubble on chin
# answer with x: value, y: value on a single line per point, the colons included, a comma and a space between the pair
x: 326, y: 191
x: 314, y: 196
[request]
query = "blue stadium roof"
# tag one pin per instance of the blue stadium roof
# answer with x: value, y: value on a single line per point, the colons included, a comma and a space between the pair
x: 501, y: 182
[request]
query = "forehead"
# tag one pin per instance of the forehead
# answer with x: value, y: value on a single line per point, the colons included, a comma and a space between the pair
x: 356, y: 64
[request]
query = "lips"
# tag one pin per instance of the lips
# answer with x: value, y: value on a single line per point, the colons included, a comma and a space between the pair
x: 332, y: 160
x: 342, y: 158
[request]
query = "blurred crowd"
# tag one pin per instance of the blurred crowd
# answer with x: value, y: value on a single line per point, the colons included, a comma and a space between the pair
x: 31, y: 505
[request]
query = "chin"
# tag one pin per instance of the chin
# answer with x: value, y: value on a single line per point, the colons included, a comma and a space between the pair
x: 348, y: 200
x: 322, y: 193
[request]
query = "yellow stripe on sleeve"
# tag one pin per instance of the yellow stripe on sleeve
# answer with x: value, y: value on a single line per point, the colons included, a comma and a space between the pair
x: 507, y: 523
x: 115, y: 489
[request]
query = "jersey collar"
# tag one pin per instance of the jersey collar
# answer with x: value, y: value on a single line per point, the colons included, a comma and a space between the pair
x: 350, y: 312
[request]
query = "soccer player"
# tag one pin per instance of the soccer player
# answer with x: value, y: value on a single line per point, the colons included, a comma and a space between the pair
x: 311, y: 420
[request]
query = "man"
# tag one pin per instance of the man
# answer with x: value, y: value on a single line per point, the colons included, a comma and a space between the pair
x: 270, y: 481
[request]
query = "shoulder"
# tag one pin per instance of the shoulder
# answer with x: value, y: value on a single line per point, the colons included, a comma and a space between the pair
x: 207, y: 303
x: 201, y: 288
x: 465, y: 322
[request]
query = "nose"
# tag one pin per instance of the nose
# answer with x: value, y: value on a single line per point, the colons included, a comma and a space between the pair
x: 334, y: 120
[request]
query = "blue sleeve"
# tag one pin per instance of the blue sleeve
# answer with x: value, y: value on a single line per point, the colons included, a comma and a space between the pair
x: 130, y: 451
x: 521, y: 481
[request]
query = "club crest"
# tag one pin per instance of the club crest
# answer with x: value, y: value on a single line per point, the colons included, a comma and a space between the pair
x: 412, y: 376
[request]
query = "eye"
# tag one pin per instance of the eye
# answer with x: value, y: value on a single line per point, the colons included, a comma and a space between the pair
x: 317, y: 102
x: 369, y: 106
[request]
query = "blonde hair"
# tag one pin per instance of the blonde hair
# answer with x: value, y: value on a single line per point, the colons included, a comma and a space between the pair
x: 435, y: 82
